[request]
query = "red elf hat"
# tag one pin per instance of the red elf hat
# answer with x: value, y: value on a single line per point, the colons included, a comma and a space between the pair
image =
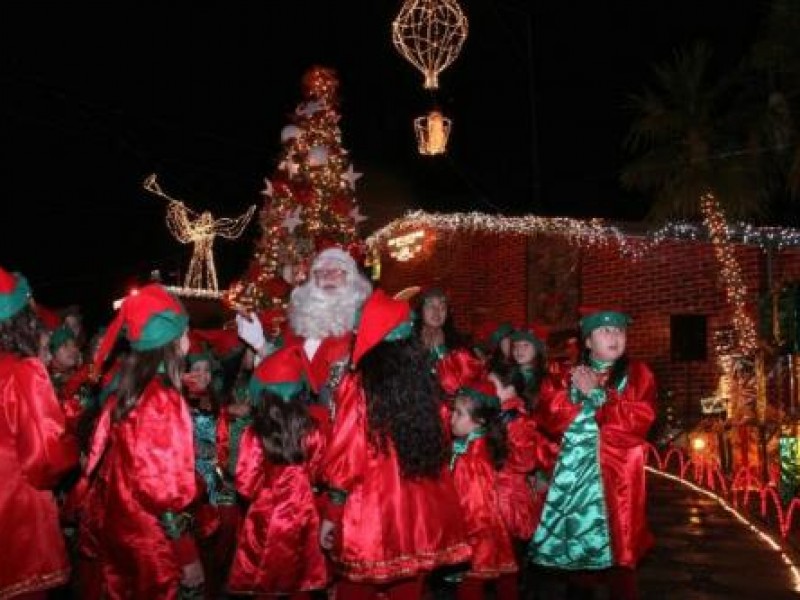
x: 283, y: 372
x: 382, y: 318
x: 457, y: 368
x: 14, y: 294
x: 149, y: 319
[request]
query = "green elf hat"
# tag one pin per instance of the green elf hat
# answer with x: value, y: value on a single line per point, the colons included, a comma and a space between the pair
x: 593, y: 317
x: 491, y: 333
x: 382, y: 318
x: 481, y: 391
x: 282, y: 373
x: 60, y: 337
x: 149, y: 318
x: 14, y: 294
x: 535, y: 333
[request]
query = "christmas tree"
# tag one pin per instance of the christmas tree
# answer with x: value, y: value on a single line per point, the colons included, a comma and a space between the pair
x: 309, y: 203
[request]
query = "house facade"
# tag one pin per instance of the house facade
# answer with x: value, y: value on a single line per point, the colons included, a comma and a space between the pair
x: 542, y: 270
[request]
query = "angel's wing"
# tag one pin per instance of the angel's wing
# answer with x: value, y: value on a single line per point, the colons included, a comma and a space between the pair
x: 233, y: 228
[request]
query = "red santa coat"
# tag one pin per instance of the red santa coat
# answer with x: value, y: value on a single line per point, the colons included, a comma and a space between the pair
x: 141, y: 468
x: 331, y: 350
x: 475, y: 480
x: 390, y: 527
x: 278, y: 550
x: 624, y: 421
x: 34, y: 454
x: 528, y: 450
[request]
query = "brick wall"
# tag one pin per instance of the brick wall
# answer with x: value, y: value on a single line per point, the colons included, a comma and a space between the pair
x: 488, y: 276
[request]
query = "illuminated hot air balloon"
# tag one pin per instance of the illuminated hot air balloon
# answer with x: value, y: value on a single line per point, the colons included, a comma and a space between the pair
x: 429, y: 34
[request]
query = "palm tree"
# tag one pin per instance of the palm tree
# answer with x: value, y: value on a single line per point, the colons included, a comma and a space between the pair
x: 690, y: 161
x: 776, y: 57
x: 684, y: 144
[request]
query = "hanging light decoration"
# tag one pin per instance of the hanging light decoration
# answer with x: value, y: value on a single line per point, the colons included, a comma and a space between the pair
x: 432, y: 131
x: 429, y: 34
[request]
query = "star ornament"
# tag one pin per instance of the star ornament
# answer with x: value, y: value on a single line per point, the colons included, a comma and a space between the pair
x: 351, y: 176
x: 309, y: 108
x: 292, y: 220
x: 356, y: 215
x: 267, y: 191
x: 291, y: 167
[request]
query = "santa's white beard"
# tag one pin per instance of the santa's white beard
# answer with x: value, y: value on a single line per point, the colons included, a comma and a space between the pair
x: 318, y: 313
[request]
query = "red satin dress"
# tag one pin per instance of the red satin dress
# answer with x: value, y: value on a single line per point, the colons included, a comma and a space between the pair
x: 390, y: 527
x: 140, y: 468
x: 34, y: 453
x: 278, y: 550
x: 624, y: 421
x: 476, y: 479
x: 528, y: 450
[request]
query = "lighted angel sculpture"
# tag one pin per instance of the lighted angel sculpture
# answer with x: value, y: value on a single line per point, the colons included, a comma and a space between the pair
x: 189, y: 227
x: 429, y: 34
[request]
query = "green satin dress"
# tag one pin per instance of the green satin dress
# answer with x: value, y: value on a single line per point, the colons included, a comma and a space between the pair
x: 573, y: 532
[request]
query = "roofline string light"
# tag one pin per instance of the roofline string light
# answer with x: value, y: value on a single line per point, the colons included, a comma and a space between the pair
x: 587, y: 232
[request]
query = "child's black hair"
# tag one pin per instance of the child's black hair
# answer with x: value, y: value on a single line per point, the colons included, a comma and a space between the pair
x: 488, y: 417
x: 282, y: 426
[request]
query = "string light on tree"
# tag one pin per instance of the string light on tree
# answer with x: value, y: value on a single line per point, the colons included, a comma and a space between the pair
x: 731, y: 274
x: 309, y: 201
x: 200, y: 230
x: 429, y: 34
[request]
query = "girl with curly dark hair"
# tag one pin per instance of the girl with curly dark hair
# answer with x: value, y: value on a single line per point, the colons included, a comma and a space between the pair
x: 480, y: 449
x: 35, y: 451
x: 392, y: 514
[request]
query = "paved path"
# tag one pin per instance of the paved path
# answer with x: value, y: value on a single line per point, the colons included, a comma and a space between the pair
x: 702, y: 552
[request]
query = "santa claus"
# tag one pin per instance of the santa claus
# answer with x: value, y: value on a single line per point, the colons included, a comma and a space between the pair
x: 322, y: 314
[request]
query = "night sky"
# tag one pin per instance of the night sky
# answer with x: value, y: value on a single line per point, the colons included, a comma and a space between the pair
x: 93, y: 101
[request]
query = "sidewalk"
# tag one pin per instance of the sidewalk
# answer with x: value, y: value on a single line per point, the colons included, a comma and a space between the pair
x: 703, y: 552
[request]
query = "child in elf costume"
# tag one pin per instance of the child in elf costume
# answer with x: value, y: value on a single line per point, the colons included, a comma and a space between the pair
x: 480, y: 449
x: 141, y: 462
x: 278, y: 550
x: 35, y: 452
x: 594, y: 514
x: 528, y: 351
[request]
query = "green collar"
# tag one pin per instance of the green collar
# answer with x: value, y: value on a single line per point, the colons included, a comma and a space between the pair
x: 600, y: 365
x: 460, y: 445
